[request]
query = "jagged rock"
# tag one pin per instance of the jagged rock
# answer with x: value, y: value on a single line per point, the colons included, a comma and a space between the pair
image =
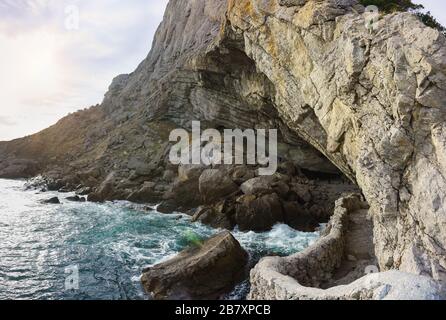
x: 298, y: 217
x: 241, y: 174
x: 83, y: 191
x: 204, y: 272
x: 106, y: 190
x: 215, y: 185
x: 220, y: 215
x: 167, y: 207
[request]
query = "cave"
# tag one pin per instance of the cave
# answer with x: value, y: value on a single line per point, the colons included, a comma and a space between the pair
x: 249, y: 102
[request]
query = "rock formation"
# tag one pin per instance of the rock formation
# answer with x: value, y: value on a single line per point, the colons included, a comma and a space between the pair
x: 200, y: 272
x: 365, y: 102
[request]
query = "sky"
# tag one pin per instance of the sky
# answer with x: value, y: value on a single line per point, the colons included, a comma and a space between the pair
x: 59, y: 56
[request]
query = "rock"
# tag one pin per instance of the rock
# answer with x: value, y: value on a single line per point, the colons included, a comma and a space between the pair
x: 64, y: 189
x: 76, y: 199
x: 146, y: 194
x: 298, y: 217
x: 166, y: 207
x: 190, y: 172
x: 204, y: 272
x: 241, y: 174
x: 105, y: 191
x: 18, y: 168
x: 55, y: 185
x: 54, y: 200
x: 215, y: 185
x: 263, y: 184
x: 260, y: 214
x: 140, y: 166
x: 83, y: 191
x: 220, y: 215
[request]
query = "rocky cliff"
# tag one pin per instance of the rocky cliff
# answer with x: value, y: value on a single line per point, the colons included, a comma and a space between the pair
x: 365, y: 103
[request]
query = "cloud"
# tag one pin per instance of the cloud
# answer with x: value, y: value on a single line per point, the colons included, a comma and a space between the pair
x: 4, y: 121
x: 49, y: 70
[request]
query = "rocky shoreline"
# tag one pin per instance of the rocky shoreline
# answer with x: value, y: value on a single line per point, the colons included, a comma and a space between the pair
x: 358, y: 110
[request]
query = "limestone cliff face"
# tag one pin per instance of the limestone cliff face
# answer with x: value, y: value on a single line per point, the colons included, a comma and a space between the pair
x: 372, y: 101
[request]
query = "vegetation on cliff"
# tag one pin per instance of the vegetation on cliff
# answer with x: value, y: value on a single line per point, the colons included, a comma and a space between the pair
x: 406, y: 5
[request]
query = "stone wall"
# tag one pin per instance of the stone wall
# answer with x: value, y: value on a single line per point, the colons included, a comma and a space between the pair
x: 310, y: 267
x: 298, y: 277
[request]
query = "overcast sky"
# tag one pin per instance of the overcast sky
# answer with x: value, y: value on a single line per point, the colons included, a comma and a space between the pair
x: 51, y: 65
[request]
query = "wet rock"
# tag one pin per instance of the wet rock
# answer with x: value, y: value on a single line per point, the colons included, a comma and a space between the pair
x: 259, y: 214
x: 167, y: 207
x: 83, y: 191
x: 220, y: 215
x: 146, y: 194
x: 200, y: 272
x: 53, y: 200
x: 298, y: 217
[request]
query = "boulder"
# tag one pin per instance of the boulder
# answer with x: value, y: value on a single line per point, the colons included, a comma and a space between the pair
x: 166, y: 207
x: 259, y: 214
x: 205, y: 271
x: 53, y: 200
x: 105, y: 191
x: 83, y: 191
x: 76, y: 199
x: 146, y: 194
x: 220, y: 215
x: 298, y: 217
x: 215, y: 184
x: 262, y: 184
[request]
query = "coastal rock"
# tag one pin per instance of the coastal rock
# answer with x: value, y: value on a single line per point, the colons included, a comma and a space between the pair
x: 298, y: 217
x: 258, y: 185
x: 204, y: 272
x: 259, y: 214
x: 53, y: 200
x: 76, y: 199
x: 215, y: 185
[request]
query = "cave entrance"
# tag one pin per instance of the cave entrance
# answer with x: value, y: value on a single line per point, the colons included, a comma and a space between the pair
x: 242, y: 97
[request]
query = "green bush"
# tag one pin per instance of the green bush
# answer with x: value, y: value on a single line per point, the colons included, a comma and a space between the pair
x: 389, y: 6
x: 392, y: 5
x: 192, y: 239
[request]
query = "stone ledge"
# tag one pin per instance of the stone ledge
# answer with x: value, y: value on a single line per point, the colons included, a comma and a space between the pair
x: 298, y: 277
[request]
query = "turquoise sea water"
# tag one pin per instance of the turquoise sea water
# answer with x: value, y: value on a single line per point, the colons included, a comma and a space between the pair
x: 109, y: 244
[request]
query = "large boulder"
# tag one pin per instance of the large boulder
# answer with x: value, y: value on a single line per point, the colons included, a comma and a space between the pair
x: 200, y: 272
x: 262, y: 184
x: 298, y: 217
x: 107, y: 190
x: 259, y: 214
x: 215, y: 184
